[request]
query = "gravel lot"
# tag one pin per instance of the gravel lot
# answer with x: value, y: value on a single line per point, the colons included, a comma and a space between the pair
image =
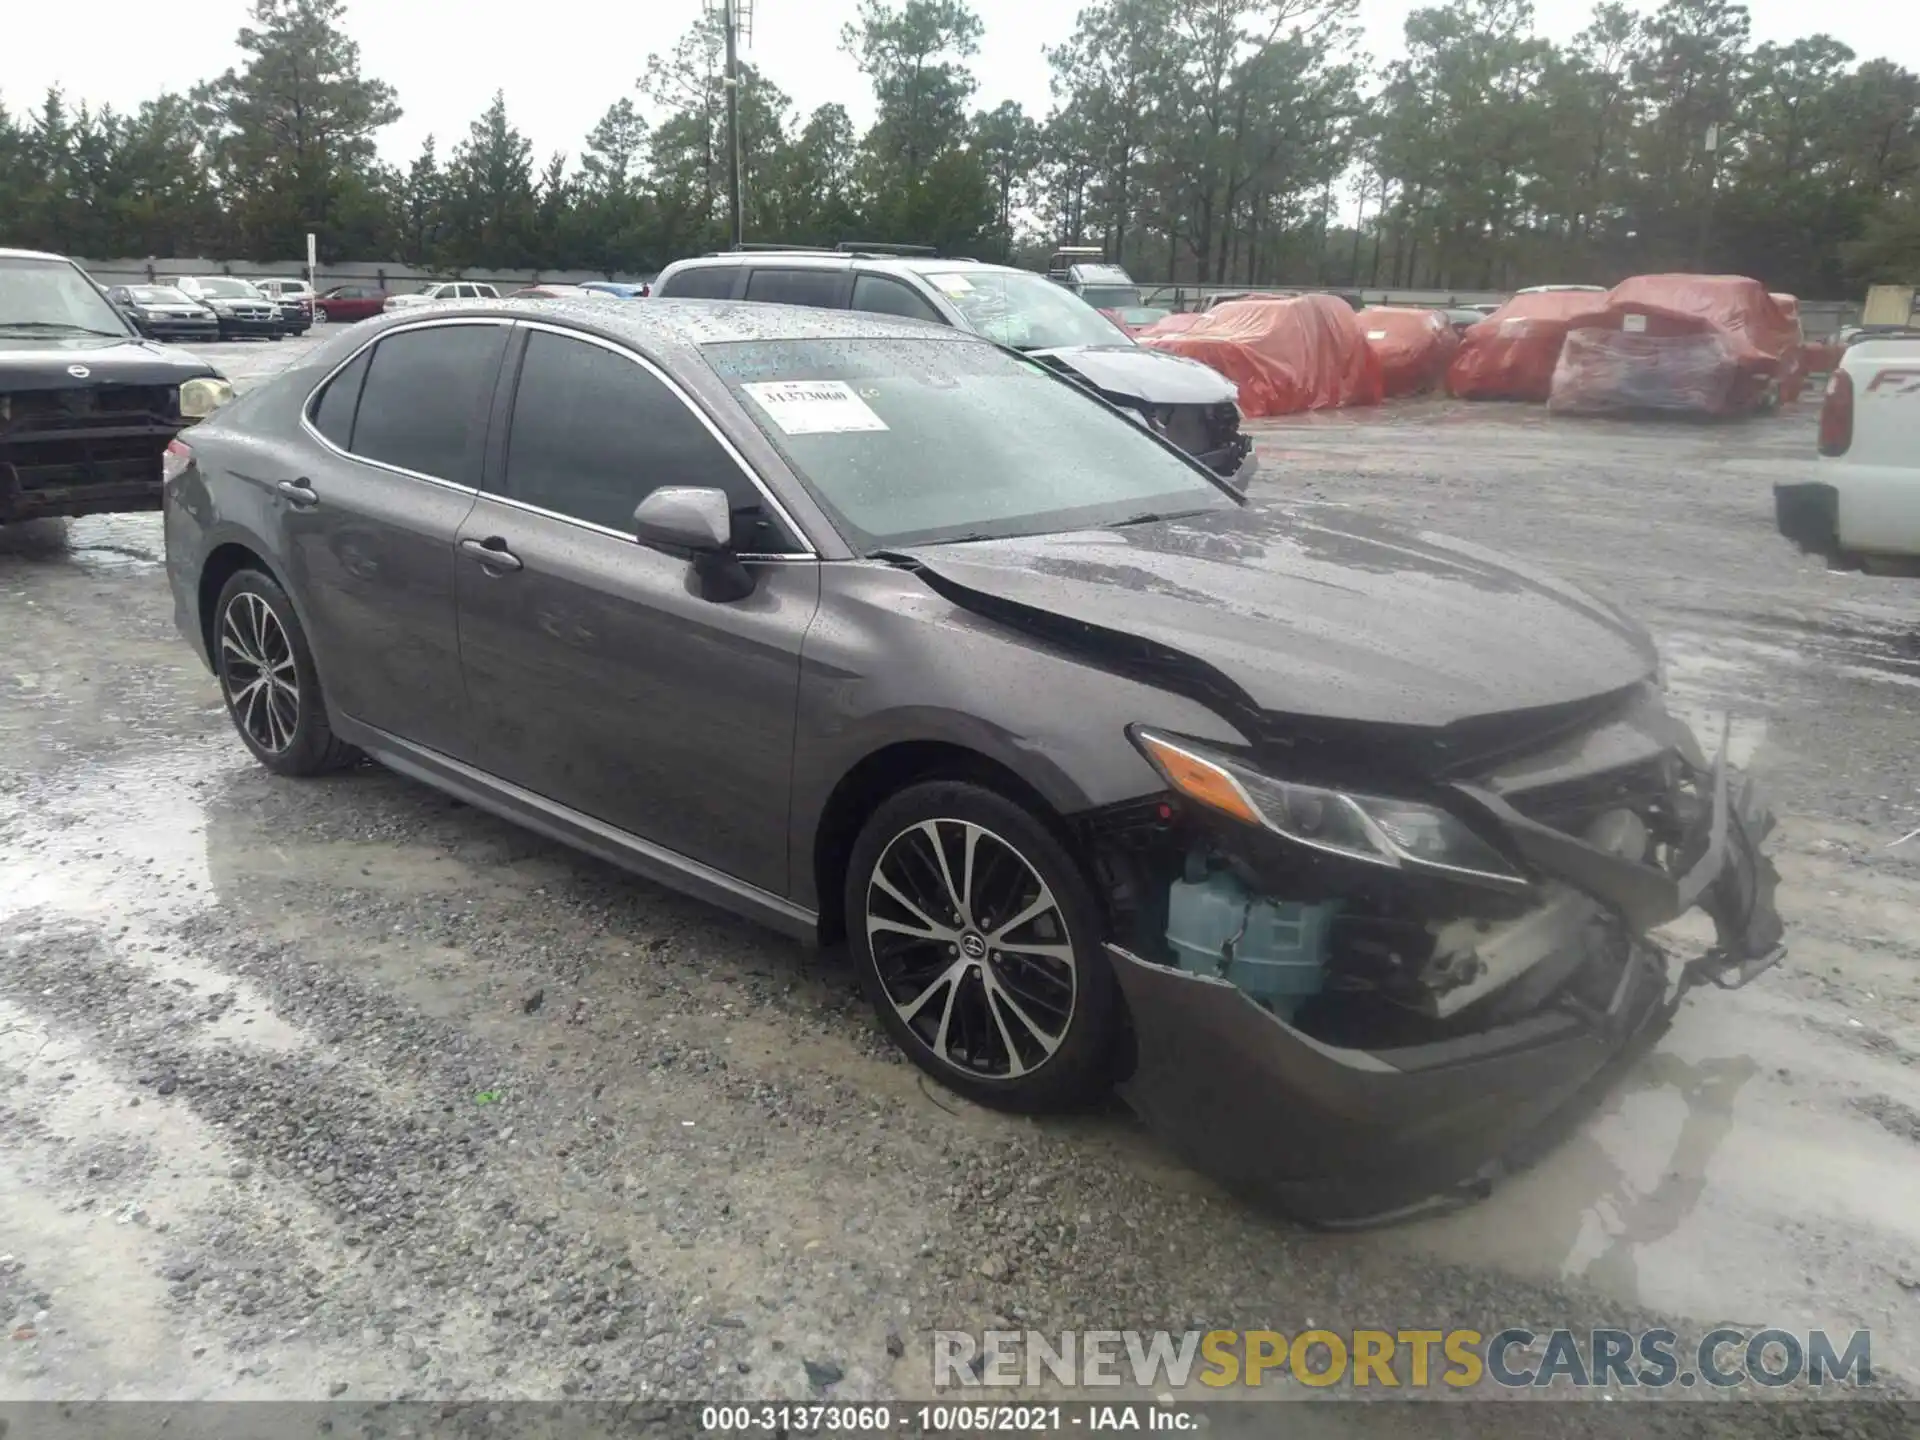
x: 341, y: 1088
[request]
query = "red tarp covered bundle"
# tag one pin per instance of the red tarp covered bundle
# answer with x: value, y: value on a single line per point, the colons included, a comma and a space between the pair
x: 1510, y: 355
x: 1795, y: 380
x: 1414, y: 346
x: 1659, y: 322
x: 1306, y: 352
x: 1178, y: 323
x: 1819, y: 357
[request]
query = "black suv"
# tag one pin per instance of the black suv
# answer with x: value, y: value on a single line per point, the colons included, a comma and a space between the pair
x: 87, y: 407
x: 1191, y: 404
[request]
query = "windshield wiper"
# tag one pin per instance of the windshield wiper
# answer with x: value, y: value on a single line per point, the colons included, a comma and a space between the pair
x: 1148, y: 517
x: 59, y: 325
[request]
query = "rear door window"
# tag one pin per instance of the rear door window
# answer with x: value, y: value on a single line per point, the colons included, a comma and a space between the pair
x: 824, y: 289
x: 593, y: 434
x: 424, y: 403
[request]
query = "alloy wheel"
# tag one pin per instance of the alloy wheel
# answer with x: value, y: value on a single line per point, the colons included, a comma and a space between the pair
x: 971, y: 948
x: 258, y: 673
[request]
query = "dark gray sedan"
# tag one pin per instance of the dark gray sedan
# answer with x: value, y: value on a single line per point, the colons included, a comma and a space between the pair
x: 1336, y: 847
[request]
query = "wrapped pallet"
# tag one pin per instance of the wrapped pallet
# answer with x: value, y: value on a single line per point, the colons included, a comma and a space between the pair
x: 1510, y: 355
x: 1704, y: 344
x: 1415, y: 346
x: 1303, y: 352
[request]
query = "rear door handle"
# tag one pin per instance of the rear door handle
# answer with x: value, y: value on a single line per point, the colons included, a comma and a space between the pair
x: 300, y: 492
x: 492, y: 553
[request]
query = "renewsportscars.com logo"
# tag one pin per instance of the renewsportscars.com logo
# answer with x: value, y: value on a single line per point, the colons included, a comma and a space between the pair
x: 1458, y: 1359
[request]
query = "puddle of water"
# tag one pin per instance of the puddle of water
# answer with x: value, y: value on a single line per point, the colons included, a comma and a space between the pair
x: 124, y: 848
x: 1879, y: 676
x: 101, y: 543
x: 1724, y: 1180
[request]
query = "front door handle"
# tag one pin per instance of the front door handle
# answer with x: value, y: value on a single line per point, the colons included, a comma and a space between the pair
x: 300, y: 492
x: 492, y: 553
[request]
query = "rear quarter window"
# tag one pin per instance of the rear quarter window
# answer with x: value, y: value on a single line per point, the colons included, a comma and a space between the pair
x: 700, y: 282
x: 332, y: 412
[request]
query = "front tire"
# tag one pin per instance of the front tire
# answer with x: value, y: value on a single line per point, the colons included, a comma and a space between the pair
x: 268, y: 680
x: 978, y: 941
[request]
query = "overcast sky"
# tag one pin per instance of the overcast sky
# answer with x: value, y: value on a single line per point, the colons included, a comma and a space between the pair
x: 563, y: 67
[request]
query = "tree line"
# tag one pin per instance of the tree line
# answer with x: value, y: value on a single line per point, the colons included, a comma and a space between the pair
x: 1223, y: 141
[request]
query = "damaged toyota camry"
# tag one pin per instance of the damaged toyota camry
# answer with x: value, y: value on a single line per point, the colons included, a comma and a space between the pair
x: 1341, y: 851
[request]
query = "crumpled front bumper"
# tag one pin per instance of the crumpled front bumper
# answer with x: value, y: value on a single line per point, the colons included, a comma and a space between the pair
x: 1346, y: 1137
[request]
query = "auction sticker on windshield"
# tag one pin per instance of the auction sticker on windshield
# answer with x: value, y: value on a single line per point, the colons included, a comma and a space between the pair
x: 814, y: 407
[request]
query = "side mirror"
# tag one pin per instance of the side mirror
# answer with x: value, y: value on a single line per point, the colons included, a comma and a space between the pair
x: 677, y: 517
x: 696, y: 521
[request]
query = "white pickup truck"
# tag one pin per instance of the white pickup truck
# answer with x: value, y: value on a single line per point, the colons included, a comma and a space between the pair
x: 1861, y: 509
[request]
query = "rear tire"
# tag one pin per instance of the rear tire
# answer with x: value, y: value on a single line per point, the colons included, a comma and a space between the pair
x: 979, y: 942
x: 268, y: 680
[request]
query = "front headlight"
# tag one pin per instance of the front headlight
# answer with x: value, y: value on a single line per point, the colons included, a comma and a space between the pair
x: 202, y: 396
x: 1376, y: 829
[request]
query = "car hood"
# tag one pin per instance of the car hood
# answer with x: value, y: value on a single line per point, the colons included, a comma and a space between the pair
x: 1308, y: 612
x: 1134, y: 372
x: 43, y: 362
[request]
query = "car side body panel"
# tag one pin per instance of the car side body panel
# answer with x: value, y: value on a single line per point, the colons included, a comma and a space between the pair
x: 888, y: 662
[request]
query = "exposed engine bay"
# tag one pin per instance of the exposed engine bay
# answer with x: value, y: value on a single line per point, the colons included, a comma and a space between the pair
x: 1371, y: 924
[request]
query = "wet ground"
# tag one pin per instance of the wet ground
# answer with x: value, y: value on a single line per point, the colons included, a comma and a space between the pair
x: 339, y: 1087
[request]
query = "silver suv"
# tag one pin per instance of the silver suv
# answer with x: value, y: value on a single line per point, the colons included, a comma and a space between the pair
x: 1192, y: 405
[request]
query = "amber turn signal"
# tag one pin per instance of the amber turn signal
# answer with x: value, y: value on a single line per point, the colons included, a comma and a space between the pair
x: 1198, y: 779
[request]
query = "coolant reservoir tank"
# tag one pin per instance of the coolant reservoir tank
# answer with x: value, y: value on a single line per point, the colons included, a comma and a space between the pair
x: 1274, y: 950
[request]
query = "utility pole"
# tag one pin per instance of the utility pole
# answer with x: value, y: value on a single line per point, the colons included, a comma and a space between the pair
x: 1706, y: 210
x: 731, y: 17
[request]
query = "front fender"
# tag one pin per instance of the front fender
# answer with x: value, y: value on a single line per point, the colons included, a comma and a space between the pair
x: 891, y: 663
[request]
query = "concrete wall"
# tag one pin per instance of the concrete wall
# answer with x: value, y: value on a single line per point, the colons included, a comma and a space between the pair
x: 391, y: 276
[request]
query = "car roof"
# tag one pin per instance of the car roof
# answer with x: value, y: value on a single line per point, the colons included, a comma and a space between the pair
x: 832, y: 260
x: 33, y: 255
x: 688, y: 324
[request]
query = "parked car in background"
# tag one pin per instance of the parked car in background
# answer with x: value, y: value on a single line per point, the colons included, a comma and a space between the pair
x: 445, y: 290
x: 619, y: 289
x: 1186, y: 402
x: 550, y: 291
x: 1103, y: 285
x: 239, y: 305
x: 295, y: 299
x: 163, y: 313
x: 1861, y: 507
x: 1850, y: 335
x: 344, y: 304
x: 1339, y: 847
x: 88, y: 406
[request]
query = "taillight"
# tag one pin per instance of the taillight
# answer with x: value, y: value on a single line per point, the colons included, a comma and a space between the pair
x: 174, y: 463
x: 1836, y: 415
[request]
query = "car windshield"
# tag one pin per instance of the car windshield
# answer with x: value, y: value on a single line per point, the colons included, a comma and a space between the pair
x: 1111, y: 297
x: 226, y: 288
x: 1024, y: 310
x: 158, y: 295
x: 51, y: 295
x: 912, y: 441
